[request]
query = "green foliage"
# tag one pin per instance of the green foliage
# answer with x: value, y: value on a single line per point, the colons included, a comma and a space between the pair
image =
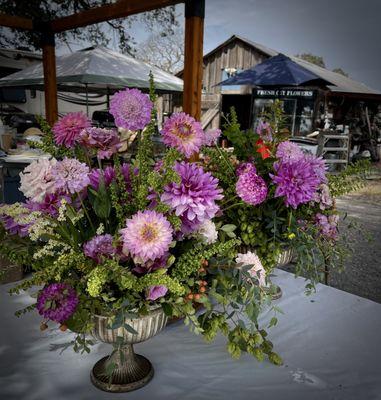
x: 313, y: 59
x: 350, y: 179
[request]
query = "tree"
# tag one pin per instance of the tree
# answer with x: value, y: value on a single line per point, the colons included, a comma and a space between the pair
x: 340, y: 71
x: 163, y: 19
x: 164, y: 51
x: 317, y: 60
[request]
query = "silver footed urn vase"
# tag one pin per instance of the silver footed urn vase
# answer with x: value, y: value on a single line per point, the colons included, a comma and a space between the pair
x: 124, y: 370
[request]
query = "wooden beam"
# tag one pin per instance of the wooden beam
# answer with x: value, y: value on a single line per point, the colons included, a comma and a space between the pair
x: 13, y: 21
x: 193, y: 68
x: 50, y: 79
x: 119, y: 9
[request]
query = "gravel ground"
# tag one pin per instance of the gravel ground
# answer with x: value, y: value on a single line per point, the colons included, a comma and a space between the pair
x: 362, y: 272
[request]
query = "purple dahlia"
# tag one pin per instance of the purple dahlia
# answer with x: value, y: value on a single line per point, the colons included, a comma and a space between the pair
x: 147, y: 236
x: 131, y: 109
x: 99, y: 247
x: 50, y: 204
x: 151, y: 266
x: 319, y: 166
x: 194, y: 198
x: 67, y: 129
x: 287, y: 151
x: 296, y: 181
x: 184, y: 133
x: 71, y: 176
x: 109, y: 176
x: 251, y: 188
x: 105, y: 141
x: 57, y: 302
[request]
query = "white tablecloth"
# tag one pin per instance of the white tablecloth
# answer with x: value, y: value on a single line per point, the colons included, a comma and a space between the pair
x: 330, y: 343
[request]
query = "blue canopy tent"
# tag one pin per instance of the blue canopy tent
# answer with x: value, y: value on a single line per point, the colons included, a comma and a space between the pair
x: 279, y: 70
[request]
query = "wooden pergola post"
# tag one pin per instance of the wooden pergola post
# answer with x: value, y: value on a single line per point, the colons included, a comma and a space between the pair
x: 194, y: 40
x: 50, y: 78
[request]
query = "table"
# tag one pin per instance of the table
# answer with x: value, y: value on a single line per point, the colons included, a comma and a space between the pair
x: 330, y: 343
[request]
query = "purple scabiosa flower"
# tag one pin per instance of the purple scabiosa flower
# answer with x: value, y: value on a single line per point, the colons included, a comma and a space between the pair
x: 147, y: 236
x: 251, y: 188
x: 67, y: 129
x: 327, y: 225
x: 245, y: 167
x: 131, y: 109
x: 265, y: 131
x: 57, y: 302
x: 71, y: 176
x: 296, y: 181
x: 13, y: 227
x: 194, y: 198
x: 155, y: 292
x: 50, y: 205
x: 287, y: 151
x: 184, y: 133
x: 99, y: 247
x: 105, y: 141
x: 211, y: 137
x: 37, y: 180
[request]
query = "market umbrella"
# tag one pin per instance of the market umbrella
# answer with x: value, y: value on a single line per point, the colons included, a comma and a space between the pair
x: 96, y: 70
x: 279, y: 70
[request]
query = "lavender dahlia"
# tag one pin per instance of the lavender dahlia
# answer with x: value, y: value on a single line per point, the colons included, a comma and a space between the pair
x: 147, y: 236
x: 67, y: 129
x: 194, y: 198
x: 184, y: 133
x: 57, y: 302
x: 71, y: 176
x: 288, y: 151
x: 105, y: 141
x: 99, y: 247
x: 131, y: 109
x: 251, y: 188
x: 296, y: 181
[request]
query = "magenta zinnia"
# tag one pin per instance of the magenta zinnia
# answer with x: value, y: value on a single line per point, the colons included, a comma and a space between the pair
x: 131, y: 109
x: 71, y: 176
x: 57, y: 302
x: 194, y: 198
x: 296, y: 181
x: 147, y: 236
x: 184, y: 133
x: 67, y: 129
x: 251, y: 188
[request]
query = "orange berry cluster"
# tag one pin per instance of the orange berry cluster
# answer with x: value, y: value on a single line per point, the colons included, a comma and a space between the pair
x: 201, y: 283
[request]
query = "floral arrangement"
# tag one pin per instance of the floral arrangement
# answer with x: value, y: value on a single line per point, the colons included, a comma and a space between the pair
x: 120, y: 239
x: 280, y: 196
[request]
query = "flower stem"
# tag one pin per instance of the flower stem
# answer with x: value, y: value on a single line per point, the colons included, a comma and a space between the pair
x: 234, y: 205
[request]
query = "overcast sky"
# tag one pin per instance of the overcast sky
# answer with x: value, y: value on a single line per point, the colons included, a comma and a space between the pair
x: 346, y: 33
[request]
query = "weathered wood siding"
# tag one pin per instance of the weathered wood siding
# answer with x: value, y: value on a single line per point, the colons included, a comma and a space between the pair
x: 236, y: 54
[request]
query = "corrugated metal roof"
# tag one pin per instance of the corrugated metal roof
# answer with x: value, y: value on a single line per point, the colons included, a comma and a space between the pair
x: 339, y: 83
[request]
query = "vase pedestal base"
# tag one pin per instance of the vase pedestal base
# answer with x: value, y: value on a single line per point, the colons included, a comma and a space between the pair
x: 125, y: 377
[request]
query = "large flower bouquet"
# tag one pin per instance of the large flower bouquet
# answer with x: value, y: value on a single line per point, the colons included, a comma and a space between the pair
x: 120, y: 239
x: 276, y: 198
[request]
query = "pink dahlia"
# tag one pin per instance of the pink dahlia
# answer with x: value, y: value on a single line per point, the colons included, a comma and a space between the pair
x: 287, y: 151
x: 194, y: 198
x: 67, y: 129
x: 71, y: 176
x: 251, y: 188
x: 57, y: 302
x: 105, y: 142
x: 147, y: 236
x: 99, y: 247
x: 297, y: 181
x: 109, y: 176
x: 265, y: 131
x: 37, y: 179
x: 184, y: 133
x: 211, y: 137
x: 131, y: 109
